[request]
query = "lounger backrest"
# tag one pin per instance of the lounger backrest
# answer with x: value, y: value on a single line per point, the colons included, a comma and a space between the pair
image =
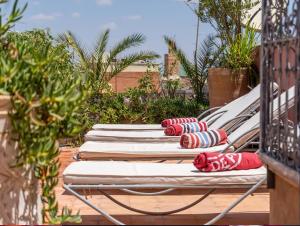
x: 245, y: 105
x: 239, y: 106
x: 254, y: 121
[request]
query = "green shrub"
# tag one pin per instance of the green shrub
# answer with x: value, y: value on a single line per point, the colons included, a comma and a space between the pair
x: 130, y: 108
x: 162, y: 108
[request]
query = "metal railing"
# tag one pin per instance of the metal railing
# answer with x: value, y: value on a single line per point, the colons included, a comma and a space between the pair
x: 280, y: 63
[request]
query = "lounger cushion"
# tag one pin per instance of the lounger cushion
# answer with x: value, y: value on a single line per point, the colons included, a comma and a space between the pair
x: 131, y: 136
x: 127, y: 127
x: 98, y: 150
x: 115, y: 172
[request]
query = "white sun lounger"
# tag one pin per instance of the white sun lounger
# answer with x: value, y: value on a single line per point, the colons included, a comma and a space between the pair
x: 238, y: 139
x: 122, y: 150
x: 129, y: 177
x: 243, y: 105
x: 154, y: 136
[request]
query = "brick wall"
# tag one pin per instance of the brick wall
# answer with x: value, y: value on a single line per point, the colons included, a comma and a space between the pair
x: 125, y: 80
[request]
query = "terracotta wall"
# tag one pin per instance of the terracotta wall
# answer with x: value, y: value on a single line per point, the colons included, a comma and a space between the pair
x: 125, y: 80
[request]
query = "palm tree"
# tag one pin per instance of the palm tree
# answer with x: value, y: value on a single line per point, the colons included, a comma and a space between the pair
x: 102, y: 64
x: 197, y: 71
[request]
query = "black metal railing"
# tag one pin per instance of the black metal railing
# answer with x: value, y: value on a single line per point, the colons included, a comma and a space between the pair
x: 280, y: 63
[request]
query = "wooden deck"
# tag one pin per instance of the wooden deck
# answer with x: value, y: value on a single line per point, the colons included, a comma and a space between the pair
x: 253, y: 210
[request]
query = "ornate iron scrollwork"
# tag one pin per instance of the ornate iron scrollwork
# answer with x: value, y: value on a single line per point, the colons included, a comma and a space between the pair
x: 280, y: 134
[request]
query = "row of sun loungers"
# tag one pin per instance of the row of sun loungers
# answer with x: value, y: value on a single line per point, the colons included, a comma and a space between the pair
x: 130, y: 177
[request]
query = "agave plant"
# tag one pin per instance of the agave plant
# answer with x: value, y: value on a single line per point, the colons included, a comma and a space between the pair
x: 102, y: 64
x: 197, y: 70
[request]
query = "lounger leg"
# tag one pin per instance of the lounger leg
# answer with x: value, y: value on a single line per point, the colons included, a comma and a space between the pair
x: 235, y: 203
x: 102, y: 212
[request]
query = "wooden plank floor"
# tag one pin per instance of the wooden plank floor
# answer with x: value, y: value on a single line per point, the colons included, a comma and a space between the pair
x: 253, y: 210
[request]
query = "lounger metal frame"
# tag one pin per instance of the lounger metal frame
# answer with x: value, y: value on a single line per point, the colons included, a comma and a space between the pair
x: 72, y: 188
x: 164, y: 189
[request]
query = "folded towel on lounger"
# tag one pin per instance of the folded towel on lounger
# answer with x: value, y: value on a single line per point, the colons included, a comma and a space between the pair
x: 214, y: 161
x: 203, y: 139
x: 167, y: 122
x: 179, y: 129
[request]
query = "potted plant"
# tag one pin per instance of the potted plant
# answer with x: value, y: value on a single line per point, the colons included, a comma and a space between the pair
x: 233, y: 76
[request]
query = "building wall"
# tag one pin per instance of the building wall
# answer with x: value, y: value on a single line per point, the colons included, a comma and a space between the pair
x: 171, y: 64
x: 130, y: 79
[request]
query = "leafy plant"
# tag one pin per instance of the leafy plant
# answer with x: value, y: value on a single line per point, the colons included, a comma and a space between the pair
x: 141, y: 104
x: 170, y: 86
x: 165, y: 107
x: 227, y: 17
x: 15, y: 15
x: 238, y: 55
x: 197, y: 71
x: 45, y: 93
x: 103, y: 64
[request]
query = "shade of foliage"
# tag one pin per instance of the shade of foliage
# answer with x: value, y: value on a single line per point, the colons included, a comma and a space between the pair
x: 38, y: 75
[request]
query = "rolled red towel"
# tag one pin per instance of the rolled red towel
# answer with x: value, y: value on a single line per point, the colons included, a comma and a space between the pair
x: 179, y: 129
x: 214, y: 161
x: 167, y: 122
x: 203, y: 139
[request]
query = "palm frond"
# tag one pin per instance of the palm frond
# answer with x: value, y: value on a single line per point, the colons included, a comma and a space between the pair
x: 181, y: 57
x: 100, y: 49
x: 203, y: 55
x: 128, y: 60
x: 130, y: 41
x: 101, y: 43
x: 78, y: 48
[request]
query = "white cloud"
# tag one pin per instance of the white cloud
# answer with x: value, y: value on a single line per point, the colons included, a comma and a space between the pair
x: 134, y: 17
x: 44, y: 16
x: 104, y: 2
x: 110, y: 25
x: 75, y: 14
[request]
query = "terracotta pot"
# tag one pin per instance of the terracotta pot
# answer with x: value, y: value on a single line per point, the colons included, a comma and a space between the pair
x: 224, y: 85
x: 19, y: 197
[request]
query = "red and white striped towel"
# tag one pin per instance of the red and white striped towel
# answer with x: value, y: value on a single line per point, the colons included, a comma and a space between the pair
x: 203, y: 139
x: 179, y: 129
x: 168, y: 122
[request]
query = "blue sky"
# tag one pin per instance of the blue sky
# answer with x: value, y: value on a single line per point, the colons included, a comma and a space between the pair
x: 87, y: 18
